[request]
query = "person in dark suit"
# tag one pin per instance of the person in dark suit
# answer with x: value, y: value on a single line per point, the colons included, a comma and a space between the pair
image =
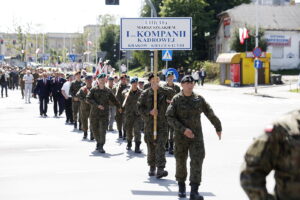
x: 43, y: 90
x: 58, y: 99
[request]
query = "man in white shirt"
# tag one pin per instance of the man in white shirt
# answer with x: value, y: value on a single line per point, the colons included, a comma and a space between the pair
x: 28, y: 80
x: 68, y: 98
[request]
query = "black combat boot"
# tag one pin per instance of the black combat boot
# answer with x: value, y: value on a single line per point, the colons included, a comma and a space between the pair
x: 181, y: 191
x: 167, y: 146
x: 194, y: 192
x: 101, y: 150
x: 91, y: 136
x: 75, y: 125
x: 84, y: 135
x: 151, y: 171
x: 97, y: 146
x: 120, y: 134
x: 80, y: 126
x: 129, y: 145
x: 137, y: 147
x: 161, y: 173
x: 171, y: 147
x: 124, y: 135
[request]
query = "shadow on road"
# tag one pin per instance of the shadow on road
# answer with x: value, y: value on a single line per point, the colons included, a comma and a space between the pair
x: 131, y: 154
x: 104, y: 155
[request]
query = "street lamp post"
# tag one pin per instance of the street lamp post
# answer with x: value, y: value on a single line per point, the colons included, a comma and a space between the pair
x: 256, y: 43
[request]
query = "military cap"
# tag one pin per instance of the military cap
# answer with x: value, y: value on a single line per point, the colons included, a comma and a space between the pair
x: 141, y: 81
x: 150, y: 76
x: 187, y: 79
x: 110, y: 78
x: 102, y: 75
x: 134, y: 80
x: 123, y: 76
x: 77, y: 72
x: 170, y: 73
x: 88, y: 78
x: 69, y: 75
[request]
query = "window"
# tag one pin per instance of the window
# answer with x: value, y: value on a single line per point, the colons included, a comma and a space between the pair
x: 277, y: 52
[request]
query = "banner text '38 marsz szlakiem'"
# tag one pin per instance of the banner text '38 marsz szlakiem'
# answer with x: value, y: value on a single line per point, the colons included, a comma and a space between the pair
x: 156, y: 33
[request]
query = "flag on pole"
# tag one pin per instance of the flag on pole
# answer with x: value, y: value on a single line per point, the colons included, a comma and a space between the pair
x: 245, y: 33
x: 241, y: 35
x: 37, y: 50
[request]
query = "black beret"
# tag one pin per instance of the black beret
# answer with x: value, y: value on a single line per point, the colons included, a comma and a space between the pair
x: 88, y: 77
x: 111, y: 78
x: 134, y: 80
x: 150, y: 76
x: 187, y: 79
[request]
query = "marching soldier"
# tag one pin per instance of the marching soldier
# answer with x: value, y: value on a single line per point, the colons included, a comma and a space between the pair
x: 170, y: 84
x: 133, y: 118
x: 277, y: 149
x: 85, y: 108
x: 99, y: 96
x: 119, y: 116
x: 74, y: 88
x: 156, y: 148
x: 184, y: 115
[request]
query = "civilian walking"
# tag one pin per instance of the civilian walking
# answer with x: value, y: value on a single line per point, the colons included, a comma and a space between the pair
x: 28, y: 81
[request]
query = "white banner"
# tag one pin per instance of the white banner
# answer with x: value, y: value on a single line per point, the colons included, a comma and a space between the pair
x: 156, y: 33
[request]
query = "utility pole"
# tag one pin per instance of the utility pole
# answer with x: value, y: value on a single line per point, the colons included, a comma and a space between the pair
x: 256, y: 44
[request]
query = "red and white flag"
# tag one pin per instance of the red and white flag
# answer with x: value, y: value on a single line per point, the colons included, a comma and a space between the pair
x: 243, y: 34
x: 89, y: 43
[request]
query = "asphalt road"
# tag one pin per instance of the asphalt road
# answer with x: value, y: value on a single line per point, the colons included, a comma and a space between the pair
x: 43, y: 159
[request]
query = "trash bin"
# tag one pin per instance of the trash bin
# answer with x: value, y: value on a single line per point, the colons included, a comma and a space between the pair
x: 276, y: 79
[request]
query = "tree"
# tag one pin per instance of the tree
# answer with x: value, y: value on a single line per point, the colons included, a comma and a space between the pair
x: 249, y: 44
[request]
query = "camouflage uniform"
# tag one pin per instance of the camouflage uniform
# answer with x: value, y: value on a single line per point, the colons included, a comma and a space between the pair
x: 184, y: 112
x: 277, y: 149
x: 85, y: 108
x: 147, y: 85
x: 120, y: 116
x: 112, y: 111
x: 74, y: 88
x: 22, y: 83
x: 133, y: 118
x: 156, y: 149
x: 176, y: 90
x: 99, y: 118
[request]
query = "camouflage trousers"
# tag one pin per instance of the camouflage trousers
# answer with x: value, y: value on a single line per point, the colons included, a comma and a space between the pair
x: 120, y: 121
x: 133, y: 128
x: 98, y: 128
x: 156, y: 149
x: 183, y: 147
x: 84, y: 116
x: 75, y: 110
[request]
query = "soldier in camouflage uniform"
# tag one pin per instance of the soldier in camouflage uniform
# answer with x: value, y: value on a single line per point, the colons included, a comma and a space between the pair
x: 277, y: 149
x: 74, y: 88
x: 170, y: 84
x: 120, y: 116
x: 99, y: 97
x: 85, y: 108
x: 22, y: 82
x: 184, y: 115
x: 156, y: 148
x: 133, y: 118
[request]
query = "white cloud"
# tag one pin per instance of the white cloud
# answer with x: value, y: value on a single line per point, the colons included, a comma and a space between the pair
x: 61, y: 15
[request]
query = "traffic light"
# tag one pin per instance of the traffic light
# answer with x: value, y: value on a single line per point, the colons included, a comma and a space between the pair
x: 112, y: 2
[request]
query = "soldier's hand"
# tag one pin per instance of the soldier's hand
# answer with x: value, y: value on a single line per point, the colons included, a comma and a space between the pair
x: 101, y: 107
x: 169, y: 101
x: 189, y: 133
x: 219, y: 135
x: 153, y: 112
x: 120, y: 110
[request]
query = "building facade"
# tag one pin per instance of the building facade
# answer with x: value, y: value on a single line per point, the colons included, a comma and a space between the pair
x: 282, y: 31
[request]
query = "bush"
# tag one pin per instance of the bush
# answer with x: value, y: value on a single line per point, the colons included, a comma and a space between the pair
x: 212, y: 69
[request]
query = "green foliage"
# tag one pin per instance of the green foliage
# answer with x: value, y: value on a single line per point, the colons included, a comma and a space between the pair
x: 109, y: 37
x: 212, y: 69
x: 249, y: 44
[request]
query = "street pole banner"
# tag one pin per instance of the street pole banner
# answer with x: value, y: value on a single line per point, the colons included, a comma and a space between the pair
x: 156, y: 33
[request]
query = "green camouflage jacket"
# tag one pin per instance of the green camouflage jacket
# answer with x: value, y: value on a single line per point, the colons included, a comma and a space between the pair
x: 130, y: 102
x: 277, y: 149
x: 75, y: 86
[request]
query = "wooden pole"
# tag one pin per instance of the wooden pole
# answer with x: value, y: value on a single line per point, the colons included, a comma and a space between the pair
x: 155, y: 94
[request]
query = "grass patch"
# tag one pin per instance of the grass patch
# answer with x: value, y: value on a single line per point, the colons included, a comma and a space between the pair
x: 287, y: 72
x: 139, y: 71
x: 295, y: 90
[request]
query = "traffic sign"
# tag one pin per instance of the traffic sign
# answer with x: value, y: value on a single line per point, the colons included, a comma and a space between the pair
x: 1, y: 57
x: 258, y: 64
x: 257, y: 52
x: 161, y: 33
x: 72, y: 57
x: 167, y: 55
